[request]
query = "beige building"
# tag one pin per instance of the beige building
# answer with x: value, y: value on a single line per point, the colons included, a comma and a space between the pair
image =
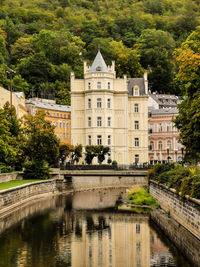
x: 59, y: 115
x: 18, y: 101
x: 110, y: 111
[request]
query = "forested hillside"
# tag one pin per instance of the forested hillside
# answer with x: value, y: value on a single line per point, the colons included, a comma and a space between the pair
x: 44, y: 40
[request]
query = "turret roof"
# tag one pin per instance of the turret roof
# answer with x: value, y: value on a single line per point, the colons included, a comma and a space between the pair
x: 98, y: 64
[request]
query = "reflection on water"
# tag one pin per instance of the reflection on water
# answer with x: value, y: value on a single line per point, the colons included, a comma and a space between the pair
x: 68, y: 233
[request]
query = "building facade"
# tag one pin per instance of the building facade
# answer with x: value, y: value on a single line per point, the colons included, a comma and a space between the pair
x: 164, y: 145
x: 58, y: 115
x: 110, y: 111
x: 18, y: 101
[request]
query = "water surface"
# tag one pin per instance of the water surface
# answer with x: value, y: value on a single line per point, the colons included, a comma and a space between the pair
x: 84, y: 229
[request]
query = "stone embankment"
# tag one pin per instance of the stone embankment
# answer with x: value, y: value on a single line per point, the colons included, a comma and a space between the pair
x: 185, y: 211
x: 6, y: 177
x: 68, y: 182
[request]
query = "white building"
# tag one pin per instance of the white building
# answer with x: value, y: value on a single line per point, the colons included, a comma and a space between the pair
x: 110, y: 111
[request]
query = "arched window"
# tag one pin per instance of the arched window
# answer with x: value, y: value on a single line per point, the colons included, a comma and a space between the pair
x: 89, y: 122
x: 160, y: 145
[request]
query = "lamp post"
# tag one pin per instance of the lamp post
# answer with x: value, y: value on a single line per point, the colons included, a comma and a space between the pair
x: 176, y: 151
x: 182, y: 152
x: 168, y: 154
x: 10, y: 73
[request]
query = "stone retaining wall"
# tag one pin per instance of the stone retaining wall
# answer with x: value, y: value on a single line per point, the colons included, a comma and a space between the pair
x: 188, y: 244
x: 6, y: 177
x: 186, y: 212
x: 16, y: 195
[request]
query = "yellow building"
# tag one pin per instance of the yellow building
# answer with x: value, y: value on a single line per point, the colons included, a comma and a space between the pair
x: 110, y: 111
x: 59, y: 115
x: 18, y: 101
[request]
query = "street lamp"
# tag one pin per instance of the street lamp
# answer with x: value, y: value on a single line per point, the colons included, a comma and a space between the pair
x: 176, y: 151
x: 182, y: 152
x: 10, y: 73
x: 168, y: 154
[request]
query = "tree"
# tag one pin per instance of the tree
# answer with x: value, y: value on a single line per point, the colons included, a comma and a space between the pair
x: 90, y: 153
x: 76, y: 153
x: 41, y: 144
x: 64, y: 151
x: 156, y: 48
x: 102, y: 151
x: 188, y: 120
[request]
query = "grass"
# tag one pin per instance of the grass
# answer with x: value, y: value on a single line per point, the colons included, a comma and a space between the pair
x: 14, y: 183
x: 140, y: 196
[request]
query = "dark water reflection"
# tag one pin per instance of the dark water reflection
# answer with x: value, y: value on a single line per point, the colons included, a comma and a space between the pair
x: 82, y: 230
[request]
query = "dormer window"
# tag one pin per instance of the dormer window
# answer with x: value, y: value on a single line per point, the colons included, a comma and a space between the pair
x: 98, y: 85
x: 89, y: 86
x: 136, y: 91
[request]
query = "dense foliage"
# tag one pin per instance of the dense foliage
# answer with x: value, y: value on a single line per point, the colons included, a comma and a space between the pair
x: 185, y: 180
x: 30, y: 143
x: 188, y: 78
x: 45, y: 40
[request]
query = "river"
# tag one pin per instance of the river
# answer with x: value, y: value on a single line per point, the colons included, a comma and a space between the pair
x: 84, y: 229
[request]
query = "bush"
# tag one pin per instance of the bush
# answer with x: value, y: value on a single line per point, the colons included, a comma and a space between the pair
x: 165, y: 177
x: 36, y: 170
x: 158, y: 169
x: 187, y: 183
x: 195, y: 190
x: 140, y: 196
x: 114, y: 163
x: 109, y: 160
x: 176, y: 181
x: 4, y: 168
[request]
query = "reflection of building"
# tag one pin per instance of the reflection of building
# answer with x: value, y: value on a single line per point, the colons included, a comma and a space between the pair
x: 108, y: 239
x: 111, y: 111
x: 18, y: 101
x: 163, y: 136
x: 160, y: 255
x: 59, y: 115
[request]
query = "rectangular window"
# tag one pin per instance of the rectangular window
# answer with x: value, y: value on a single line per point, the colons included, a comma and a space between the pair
x: 137, y: 228
x: 89, y: 103
x: 136, y: 108
x: 63, y: 135
x: 67, y: 135
x: 108, y: 103
x: 60, y: 135
x: 99, y: 140
x: 56, y: 124
x: 64, y: 125
x: 57, y: 114
x: 98, y: 102
x: 89, y: 86
x: 109, y: 140
x: 60, y: 124
x: 136, y: 142
x: 109, y: 121
x: 108, y: 85
x: 65, y: 116
x: 89, y: 140
x: 160, y: 127
x: 61, y: 115
x: 99, y: 122
x: 169, y: 127
x: 136, y: 125
x: 89, y: 122
x: 67, y: 125
x: 98, y: 85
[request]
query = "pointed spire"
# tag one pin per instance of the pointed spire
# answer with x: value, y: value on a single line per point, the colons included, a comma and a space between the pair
x: 99, y: 64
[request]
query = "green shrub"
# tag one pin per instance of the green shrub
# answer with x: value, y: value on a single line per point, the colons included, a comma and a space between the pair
x: 114, y: 163
x: 140, y: 196
x: 176, y: 180
x: 187, y: 183
x: 159, y: 168
x: 36, y: 170
x: 4, y: 168
x: 109, y: 160
x: 195, y: 190
x: 165, y: 177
